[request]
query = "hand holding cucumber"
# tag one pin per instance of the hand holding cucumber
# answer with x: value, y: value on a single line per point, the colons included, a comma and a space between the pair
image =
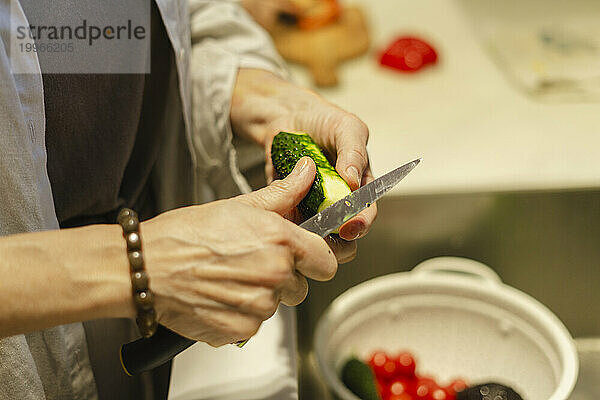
x: 226, y: 276
x: 218, y: 270
x: 264, y: 104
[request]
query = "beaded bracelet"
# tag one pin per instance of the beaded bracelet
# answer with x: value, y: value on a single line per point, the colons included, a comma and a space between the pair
x: 142, y: 296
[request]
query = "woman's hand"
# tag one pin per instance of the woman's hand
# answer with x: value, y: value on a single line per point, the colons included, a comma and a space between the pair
x: 218, y: 270
x: 264, y: 104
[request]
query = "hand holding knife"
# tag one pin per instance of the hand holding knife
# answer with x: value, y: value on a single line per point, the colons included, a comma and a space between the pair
x: 145, y: 354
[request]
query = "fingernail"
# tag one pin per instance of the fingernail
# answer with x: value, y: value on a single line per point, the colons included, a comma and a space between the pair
x: 353, y: 173
x: 354, y: 231
x: 301, y: 166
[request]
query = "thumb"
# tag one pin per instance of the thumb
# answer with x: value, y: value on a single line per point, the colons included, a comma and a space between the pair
x: 283, y: 195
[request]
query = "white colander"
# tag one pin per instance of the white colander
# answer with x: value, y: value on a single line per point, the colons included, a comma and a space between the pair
x: 459, y: 321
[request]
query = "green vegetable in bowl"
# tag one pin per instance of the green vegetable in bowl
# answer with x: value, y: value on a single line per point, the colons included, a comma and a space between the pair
x: 328, y: 187
x: 359, y: 378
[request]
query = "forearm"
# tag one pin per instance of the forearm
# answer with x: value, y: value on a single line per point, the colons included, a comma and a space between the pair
x: 57, y: 277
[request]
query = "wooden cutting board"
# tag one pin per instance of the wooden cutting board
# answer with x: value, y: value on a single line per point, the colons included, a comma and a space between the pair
x: 322, y: 50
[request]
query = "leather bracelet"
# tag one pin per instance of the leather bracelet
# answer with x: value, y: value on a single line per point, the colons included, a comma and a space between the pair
x: 140, y: 283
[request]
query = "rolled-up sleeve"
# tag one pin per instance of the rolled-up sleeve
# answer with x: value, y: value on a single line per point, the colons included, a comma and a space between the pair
x: 224, y: 39
x: 226, y: 25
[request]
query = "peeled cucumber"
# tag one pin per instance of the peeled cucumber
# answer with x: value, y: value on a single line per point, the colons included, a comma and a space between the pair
x: 287, y: 149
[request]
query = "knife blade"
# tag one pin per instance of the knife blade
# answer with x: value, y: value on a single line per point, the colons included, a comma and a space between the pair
x: 331, y: 218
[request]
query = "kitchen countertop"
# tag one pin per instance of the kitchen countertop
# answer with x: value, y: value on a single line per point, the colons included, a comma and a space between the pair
x: 475, y: 131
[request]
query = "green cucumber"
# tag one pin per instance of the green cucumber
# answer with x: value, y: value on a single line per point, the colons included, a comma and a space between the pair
x: 328, y: 187
x: 359, y: 378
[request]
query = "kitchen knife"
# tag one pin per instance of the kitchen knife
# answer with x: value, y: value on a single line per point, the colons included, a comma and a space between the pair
x: 145, y: 354
x: 331, y: 218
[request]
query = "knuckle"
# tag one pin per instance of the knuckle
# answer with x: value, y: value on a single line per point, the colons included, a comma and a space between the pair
x: 362, y: 129
x: 223, y: 331
x: 279, y: 186
x: 275, y: 228
x: 284, y: 240
x: 358, y: 126
x: 277, y: 266
x: 266, y: 304
x: 234, y: 327
x: 359, y: 155
x: 248, y: 328
x: 281, y: 269
x: 279, y: 191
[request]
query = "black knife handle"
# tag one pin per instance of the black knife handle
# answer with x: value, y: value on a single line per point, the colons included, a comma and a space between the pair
x: 145, y: 354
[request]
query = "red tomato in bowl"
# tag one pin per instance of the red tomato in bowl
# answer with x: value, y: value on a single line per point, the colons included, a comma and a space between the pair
x: 396, y: 379
x: 441, y: 394
x: 401, y: 385
x: 377, y: 362
x: 424, y: 388
x: 406, y: 365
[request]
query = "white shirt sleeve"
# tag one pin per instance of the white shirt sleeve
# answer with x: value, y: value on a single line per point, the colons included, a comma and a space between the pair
x: 224, y: 39
x: 226, y: 24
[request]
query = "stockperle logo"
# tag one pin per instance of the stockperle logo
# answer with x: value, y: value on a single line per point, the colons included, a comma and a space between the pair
x: 80, y: 36
x: 90, y: 33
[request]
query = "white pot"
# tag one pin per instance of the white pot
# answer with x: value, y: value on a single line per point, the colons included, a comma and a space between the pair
x: 459, y: 320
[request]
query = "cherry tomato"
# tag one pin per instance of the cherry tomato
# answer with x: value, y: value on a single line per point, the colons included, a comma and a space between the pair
x: 401, y: 385
x: 389, y: 369
x: 406, y: 365
x: 377, y: 361
x: 424, y: 388
x: 440, y: 394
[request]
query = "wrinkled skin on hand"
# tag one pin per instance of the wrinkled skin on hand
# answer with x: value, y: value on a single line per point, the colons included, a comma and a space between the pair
x: 264, y: 104
x: 219, y: 270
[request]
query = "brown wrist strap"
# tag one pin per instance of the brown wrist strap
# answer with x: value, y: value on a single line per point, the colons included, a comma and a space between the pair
x: 140, y: 283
